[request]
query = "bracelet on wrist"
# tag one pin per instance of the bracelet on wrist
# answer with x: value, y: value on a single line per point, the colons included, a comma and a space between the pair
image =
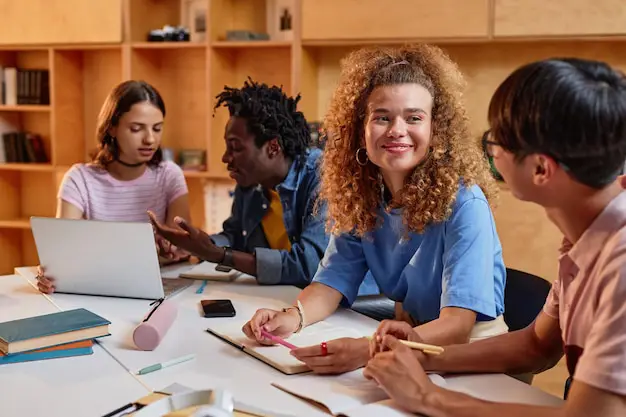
x: 300, y: 311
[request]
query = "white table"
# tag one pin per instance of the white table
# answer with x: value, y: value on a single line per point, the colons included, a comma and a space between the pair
x: 217, y: 364
x: 77, y: 386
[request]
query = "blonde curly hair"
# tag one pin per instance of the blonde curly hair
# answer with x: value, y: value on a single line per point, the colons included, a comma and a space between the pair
x: 351, y: 191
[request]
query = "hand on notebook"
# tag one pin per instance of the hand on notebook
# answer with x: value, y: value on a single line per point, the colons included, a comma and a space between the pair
x: 342, y: 355
x: 398, y: 371
x: 44, y: 284
x: 188, y: 238
x: 398, y: 329
x: 277, y: 323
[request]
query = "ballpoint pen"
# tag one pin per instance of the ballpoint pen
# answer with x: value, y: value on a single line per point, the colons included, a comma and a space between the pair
x: 162, y: 365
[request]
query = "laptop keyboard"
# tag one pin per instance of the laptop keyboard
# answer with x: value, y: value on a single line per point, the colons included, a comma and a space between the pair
x: 172, y: 286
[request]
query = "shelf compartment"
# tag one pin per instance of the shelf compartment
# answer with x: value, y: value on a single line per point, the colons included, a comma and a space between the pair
x: 82, y: 80
x: 249, y: 15
x: 18, y: 249
x: 180, y: 77
x: 26, y: 194
x: 26, y: 59
x: 36, y: 123
x: 161, y: 13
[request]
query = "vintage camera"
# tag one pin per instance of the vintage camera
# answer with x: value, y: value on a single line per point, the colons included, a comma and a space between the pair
x: 169, y: 34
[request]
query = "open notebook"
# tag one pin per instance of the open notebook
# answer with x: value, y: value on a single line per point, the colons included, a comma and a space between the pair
x: 207, y: 270
x: 202, y: 270
x: 349, y: 394
x: 278, y: 356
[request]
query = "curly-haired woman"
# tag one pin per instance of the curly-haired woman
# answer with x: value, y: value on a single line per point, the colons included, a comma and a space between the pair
x: 408, y: 193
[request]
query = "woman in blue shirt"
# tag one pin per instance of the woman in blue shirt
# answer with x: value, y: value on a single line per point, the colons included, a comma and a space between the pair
x: 407, y: 191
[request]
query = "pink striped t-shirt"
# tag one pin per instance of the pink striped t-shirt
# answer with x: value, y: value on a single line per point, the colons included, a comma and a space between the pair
x: 102, y: 197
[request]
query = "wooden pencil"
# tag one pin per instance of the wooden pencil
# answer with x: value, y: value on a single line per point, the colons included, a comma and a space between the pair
x: 426, y: 348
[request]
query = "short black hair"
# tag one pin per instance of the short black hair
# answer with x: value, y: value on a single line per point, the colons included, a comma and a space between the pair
x: 269, y: 114
x: 119, y: 101
x: 571, y: 109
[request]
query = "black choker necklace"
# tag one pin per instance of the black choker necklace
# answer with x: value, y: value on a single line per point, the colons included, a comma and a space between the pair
x: 126, y: 164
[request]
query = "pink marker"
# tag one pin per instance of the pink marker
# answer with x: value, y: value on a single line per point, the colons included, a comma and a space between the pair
x: 277, y: 340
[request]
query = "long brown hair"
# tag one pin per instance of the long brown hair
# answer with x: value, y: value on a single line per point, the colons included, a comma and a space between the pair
x: 352, y: 191
x: 119, y: 101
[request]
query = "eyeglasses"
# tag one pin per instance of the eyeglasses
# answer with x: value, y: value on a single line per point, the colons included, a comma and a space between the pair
x: 488, y: 144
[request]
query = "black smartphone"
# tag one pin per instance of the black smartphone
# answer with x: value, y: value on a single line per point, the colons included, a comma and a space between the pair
x: 222, y: 268
x: 217, y: 308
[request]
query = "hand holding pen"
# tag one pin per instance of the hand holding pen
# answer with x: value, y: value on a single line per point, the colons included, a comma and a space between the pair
x: 276, y: 323
x: 402, y: 331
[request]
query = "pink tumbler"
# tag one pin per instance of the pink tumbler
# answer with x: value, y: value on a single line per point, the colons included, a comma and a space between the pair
x: 149, y: 333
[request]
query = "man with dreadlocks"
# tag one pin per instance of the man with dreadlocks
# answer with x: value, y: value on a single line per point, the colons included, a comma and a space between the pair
x: 273, y: 232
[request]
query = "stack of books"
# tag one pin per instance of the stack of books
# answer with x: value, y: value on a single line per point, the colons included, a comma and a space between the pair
x: 57, y: 335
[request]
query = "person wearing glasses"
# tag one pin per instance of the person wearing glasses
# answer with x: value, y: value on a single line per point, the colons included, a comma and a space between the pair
x: 408, y: 193
x: 558, y: 137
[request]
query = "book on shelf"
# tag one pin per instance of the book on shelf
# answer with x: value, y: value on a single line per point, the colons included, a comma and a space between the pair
x: 24, y: 86
x: 66, y: 350
x: 44, y: 331
x: 22, y: 147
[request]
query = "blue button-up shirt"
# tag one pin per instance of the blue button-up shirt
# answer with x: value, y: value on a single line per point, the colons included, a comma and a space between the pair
x: 305, y: 227
x: 455, y: 263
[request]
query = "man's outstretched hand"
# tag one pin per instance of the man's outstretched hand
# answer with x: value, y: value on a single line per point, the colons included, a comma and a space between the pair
x: 188, y: 238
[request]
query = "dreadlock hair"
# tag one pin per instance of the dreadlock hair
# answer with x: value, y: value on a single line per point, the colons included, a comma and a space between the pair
x: 269, y: 114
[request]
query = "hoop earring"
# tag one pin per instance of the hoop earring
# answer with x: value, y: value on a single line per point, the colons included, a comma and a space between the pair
x: 359, y: 160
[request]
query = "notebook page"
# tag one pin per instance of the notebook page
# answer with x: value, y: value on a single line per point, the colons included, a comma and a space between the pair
x: 278, y: 354
x: 310, y: 336
x: 350, y: 394
x: 387, y: 408
x: 338, y: 393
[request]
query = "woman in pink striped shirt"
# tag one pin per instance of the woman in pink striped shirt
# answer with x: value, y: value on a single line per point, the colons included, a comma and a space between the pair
x: 127, y: 176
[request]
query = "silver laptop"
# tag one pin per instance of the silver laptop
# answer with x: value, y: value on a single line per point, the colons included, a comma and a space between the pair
x: 117, y: 259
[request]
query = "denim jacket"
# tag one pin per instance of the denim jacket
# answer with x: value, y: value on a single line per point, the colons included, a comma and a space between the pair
x: 306, y: 229
x: 243, y: 230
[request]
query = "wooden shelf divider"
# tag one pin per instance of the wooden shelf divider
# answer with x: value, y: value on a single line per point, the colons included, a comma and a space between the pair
x: 25, y: 108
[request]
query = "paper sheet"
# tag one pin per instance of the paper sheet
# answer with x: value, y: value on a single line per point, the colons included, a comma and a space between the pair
x: 349, y: 394
x: 385, y: 408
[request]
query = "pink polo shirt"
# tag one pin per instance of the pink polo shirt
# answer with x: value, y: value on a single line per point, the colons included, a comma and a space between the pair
x: 589, y: 300
x: 103, y: 197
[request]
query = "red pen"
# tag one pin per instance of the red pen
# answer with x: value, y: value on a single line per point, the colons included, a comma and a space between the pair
x: 277, y: 340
